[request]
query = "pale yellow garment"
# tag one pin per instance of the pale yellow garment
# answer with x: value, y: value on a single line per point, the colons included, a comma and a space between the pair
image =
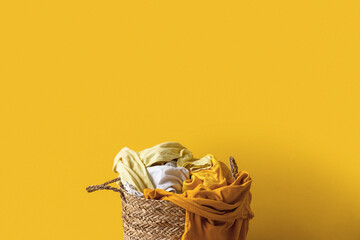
x: 131, y: 169
x: 217, y: 207
x: 195, y: 164
x: 132, y: 165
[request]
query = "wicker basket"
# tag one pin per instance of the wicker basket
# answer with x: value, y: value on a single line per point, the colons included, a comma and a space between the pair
x: 148, y: 218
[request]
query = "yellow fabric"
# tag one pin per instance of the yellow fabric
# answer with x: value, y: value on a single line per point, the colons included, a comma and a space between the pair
x: 217, y: 207
x: 165, y: 152
x: 132, y: 165
x: 131, y: 169
x: 195, y: 164
x: 217, y: 176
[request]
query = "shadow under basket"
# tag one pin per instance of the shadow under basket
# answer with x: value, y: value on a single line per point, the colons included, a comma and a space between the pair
x: 148, y: 218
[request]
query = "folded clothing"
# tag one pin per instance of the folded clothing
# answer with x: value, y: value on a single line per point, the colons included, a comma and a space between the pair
x: 168, y: 177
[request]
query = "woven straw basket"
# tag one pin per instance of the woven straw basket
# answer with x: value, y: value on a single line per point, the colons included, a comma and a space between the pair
x: 148, y: 218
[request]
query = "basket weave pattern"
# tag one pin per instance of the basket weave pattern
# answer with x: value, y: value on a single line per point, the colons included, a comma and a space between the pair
x: 151, y: 219
x: 148, y: 219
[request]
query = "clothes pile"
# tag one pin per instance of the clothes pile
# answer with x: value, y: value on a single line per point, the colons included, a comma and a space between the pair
x: 217, y: 205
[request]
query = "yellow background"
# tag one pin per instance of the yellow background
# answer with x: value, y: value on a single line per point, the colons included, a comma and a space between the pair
x: 273, y: 83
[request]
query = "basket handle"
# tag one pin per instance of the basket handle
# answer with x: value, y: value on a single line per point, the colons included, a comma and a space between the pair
x: 233, y: 167
x: 105, y: 186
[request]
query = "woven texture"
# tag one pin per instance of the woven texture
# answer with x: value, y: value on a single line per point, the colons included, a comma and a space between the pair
x: 147, y: 219
x: 151, y: 219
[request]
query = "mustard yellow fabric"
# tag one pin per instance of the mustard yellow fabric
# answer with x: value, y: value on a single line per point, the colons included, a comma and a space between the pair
x: 132, y: 165
x: 217, y: 206
x: 217, y: 176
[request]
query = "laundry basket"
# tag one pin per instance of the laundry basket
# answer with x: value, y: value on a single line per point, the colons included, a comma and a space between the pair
x: 148, y: 218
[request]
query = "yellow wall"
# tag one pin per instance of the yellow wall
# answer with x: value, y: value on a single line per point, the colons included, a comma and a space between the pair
x: 273, y: 83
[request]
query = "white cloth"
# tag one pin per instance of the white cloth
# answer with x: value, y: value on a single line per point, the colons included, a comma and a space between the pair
x: 168, y: 177
x: 131, y: 189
